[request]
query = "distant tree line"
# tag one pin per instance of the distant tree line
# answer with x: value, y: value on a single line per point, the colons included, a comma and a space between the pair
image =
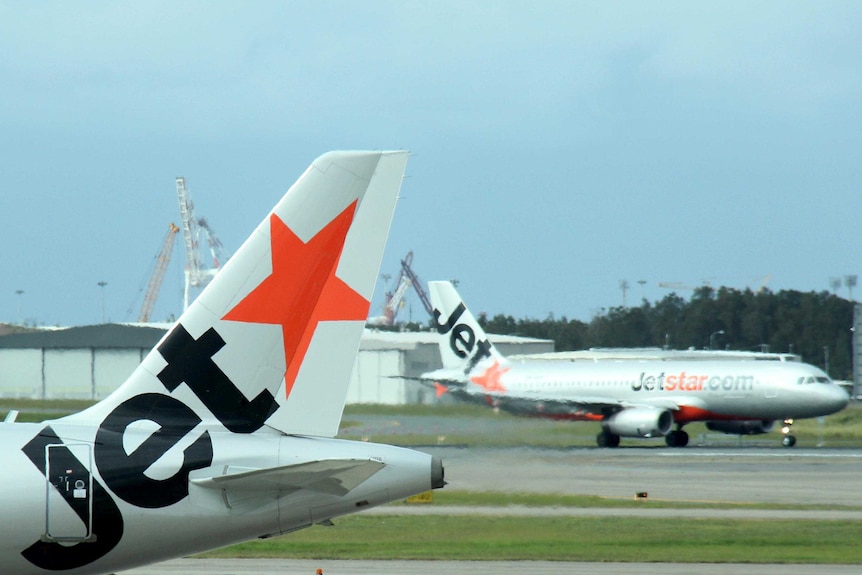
x: 814, y: 325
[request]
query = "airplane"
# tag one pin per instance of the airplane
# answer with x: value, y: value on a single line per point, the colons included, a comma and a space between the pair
x: 225, y: 432
x: 629, y: 398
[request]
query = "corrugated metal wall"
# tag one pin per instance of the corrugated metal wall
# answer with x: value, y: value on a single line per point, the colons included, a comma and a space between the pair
x: 65, y: 373
x: 55, y: 373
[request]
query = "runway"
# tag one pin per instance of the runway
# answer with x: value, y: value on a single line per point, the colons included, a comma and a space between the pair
x: 745, y: 475
x: 826, y: 477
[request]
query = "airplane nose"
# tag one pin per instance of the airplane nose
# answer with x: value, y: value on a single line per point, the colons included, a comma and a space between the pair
x: 836, y: 398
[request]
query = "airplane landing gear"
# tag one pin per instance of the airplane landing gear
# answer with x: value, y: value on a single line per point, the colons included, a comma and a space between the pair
x: 788, y: 440
x: 607, y: 439
x: 676, y: 438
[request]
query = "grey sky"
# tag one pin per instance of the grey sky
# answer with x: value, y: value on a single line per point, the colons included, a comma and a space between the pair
x: 559, y: 147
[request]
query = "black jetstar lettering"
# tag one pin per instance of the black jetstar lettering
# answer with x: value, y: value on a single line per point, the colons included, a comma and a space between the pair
x: 107, y: 521
x: 124, y: 474
x: 190, y: 361
x: 462, y: 338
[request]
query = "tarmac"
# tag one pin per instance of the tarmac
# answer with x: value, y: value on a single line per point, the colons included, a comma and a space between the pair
x: 818, y: 476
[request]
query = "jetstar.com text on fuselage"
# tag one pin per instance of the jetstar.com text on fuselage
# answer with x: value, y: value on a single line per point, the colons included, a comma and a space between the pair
x: 692, y: 382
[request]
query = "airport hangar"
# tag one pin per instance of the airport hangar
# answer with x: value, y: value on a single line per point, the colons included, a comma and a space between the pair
x: 89, y: 362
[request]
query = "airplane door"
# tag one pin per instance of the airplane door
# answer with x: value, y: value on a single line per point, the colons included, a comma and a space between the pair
x: 69, y: 489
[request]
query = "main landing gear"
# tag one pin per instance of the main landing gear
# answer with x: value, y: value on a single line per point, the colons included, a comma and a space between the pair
x: 787, y: 439
x: 676, y: 438
x: 607, y: 439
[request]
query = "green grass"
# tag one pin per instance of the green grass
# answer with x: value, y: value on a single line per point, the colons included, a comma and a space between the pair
x: 66, y: 405
x: 35, y: 410
x: 625, y: 539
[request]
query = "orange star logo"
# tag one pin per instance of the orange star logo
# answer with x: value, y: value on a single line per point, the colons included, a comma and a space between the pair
x: 302, y: 289
x: 490, y: 380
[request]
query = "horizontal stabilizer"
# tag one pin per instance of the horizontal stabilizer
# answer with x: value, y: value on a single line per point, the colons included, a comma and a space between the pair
x: 330, y: 476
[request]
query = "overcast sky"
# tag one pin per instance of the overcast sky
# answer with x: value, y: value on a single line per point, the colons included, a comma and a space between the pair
x: 558, y: 147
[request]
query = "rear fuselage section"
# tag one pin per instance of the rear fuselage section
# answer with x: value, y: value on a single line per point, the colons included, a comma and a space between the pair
x: 85, y: 511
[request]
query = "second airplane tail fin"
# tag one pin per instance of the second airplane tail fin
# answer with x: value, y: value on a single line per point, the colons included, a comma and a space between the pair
x: 463, y: 342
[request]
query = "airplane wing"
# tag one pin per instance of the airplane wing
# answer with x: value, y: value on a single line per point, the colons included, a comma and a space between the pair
x: 453, y: 382
x: 447, y: 384
x: 330, y: 476
x: 574, y: 405
x: 446, y: 381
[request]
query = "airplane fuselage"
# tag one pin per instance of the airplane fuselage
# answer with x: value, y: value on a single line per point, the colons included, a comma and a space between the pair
x: 708, y: 389
x: 693, y: 391
x: 81, y: 509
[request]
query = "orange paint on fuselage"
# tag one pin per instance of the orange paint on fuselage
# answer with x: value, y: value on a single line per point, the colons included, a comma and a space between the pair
x: 688, y: 414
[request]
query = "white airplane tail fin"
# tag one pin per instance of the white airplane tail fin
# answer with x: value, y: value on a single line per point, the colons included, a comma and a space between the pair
x: 463, y: 343
x: 273, y: 338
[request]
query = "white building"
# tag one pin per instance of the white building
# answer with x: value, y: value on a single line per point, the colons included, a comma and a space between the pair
x: 89, y: 362
x: 388, y: 360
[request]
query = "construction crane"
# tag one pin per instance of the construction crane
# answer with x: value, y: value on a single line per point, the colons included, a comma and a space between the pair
x: 219, y: 254
x: 160, y: 267
x: 417, y: 285
x: 394, y: 299
x: 197, y: 275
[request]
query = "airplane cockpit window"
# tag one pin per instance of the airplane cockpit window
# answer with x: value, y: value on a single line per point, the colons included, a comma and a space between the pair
x: 814, y: 379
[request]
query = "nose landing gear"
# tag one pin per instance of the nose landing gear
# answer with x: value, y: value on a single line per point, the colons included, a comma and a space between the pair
x: 787, y: 439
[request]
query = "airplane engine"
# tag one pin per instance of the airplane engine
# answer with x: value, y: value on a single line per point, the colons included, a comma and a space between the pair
x: 748, y: 427
x: 639, y: 422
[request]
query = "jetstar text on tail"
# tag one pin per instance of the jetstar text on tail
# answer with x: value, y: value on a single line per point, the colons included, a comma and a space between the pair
x: 462, y: 338
x: 683, y: 381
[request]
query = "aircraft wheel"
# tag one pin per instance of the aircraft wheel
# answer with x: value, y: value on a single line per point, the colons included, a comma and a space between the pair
x: 605, y: 439
x: 678, y: 438
x: 788, y: 440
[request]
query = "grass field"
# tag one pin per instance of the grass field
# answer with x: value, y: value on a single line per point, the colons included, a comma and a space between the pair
x: 627, y: 539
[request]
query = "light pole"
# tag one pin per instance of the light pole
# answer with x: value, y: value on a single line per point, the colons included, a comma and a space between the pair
x: 102, y: 285
x: 20, y: 293
x: 712, y: 338
x: 850, y: 282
